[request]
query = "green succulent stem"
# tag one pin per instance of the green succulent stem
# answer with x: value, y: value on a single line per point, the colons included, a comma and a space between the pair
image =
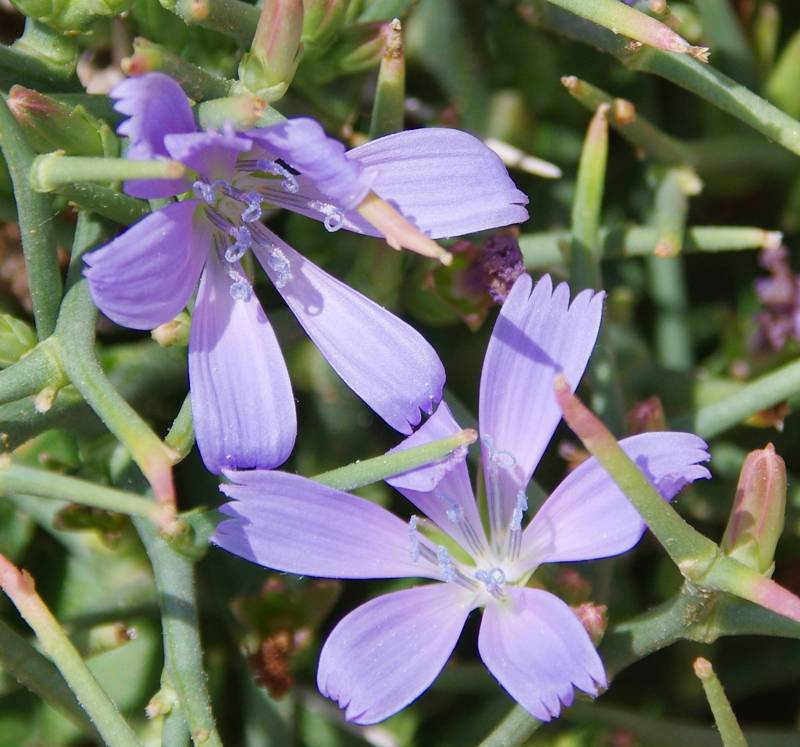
x: 20, y: 588
x: 35, y: 223
x: 729, y: 730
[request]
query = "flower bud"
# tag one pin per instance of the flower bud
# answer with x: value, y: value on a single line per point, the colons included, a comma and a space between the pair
x: 757, y: 518
x: 646, y: 416
x: 322, y: 20
x: 594, y: 619
x: 16, y: 339
x: 174, y: 333
x: 51, y: 125
x: 268, y: 68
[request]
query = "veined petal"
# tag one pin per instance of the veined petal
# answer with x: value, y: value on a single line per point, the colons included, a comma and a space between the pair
x: 146, y: 275
x: 242, y: 403
x: 211, y: 154
x: 302, y: 144
x: 156, y: 106
x: 537, y: 335
x: 381, y: 358
x: 445, y: 181
x: 293, y: 524
x: 384, y: 654
x: 443, y: 490
x: 588, y: 517
x: 538, y: 651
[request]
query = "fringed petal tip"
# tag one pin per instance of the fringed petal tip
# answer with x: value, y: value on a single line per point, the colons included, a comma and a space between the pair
x: 302, y: 144
x: 156, y: 106
x: 539, y: 652
x: 384, y: 654
x: 538, y: 334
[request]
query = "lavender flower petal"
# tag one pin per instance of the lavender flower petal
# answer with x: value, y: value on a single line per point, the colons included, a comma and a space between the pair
x: 445, y: 181
x: 381, y: 358
x: 156, y: 106
x: 211, y: 154
x: 242, y: 403
x: 384, y: 654
x: 537, y: 334
x: 538, y: 651
x: 296, y: 525
x: 145, y: 276
x: 302, y: 144
x: 588, y: 517
x: 443, y: 491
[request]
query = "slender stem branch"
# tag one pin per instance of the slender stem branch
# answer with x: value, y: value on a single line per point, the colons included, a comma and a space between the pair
x: 513, y: 730
x: 105, y: 202
x: 75, y: 334
x: 53, y: 170
x: 20, y: 588
x: 35, y: 217
x: 729, y: 730
x: 17, y: 478
x: 39, y: 369
x: 394, y: 463
x: 545, y: 249
x: 174, y: 574
x: 761, y: 394
x: 37, y: 673
x: 180, y: 438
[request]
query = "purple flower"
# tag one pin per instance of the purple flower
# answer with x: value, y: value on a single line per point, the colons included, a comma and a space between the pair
x: 444, y: 181
x: 384, y: 654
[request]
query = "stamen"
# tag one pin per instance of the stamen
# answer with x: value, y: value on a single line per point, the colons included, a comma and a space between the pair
x: 519, y: 509
x: 515, y: 526
x: 252, y: 212
x: 497, y: 460
x: 240, y: 289
x: 208, y: 192
x: 289, y: 182
x: 279, y: 263
x: 413, y: 536
x: 493, y: 579
x: 243, y: 240
x: 455, y: 514
x: 334, y: 218
x: 446, y: 564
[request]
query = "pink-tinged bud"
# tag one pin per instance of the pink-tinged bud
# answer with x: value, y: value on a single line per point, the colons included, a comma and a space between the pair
x: 571, y: 586
x: 269, y: 67
x: 757, y: 518
x: 593, y: 617
x: 50, y: 125
x: 646, y: 416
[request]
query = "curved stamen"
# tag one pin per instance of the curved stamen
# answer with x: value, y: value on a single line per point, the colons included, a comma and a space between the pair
x: 493, y: 579
x: 334, y: 218
x: 277, y: 260
x: 515, y: 525
x: 289, y: 182
x: 455, y: 514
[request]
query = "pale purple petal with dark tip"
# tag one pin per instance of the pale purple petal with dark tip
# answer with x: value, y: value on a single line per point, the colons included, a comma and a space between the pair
x: 242, y: 403
x: 146, y: 275
x: 537, y: 335
x: 302, y: 144
x: 155, y: 106
x: 445, y: 181
x: 587, y: 516
x: 387, y: 652
x: 539, y: 652
x: 293, y: 524
x: 443, y: 490
x: 212, y: 155
x: 381, y: 358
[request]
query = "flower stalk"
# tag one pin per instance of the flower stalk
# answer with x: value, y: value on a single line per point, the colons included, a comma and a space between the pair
x: 20, y: 588
x: 390, y: 91
x: 622, y: 19
x: 729, y: 730
x: 52, y: 170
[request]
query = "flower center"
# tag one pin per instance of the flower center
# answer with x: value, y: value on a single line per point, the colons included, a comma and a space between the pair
x: 237, y: 218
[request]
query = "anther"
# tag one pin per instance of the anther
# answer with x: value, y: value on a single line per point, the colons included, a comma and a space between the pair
x: 493, y: 579
x: 413, y: 536
x: 289, y: 182
x: 240, y: 289
x: 279, y: 263
x: 252, y: 212
x: 519, y: 509
x: 334, y: 219
x: 243, y: 240
x: 446, y: 564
